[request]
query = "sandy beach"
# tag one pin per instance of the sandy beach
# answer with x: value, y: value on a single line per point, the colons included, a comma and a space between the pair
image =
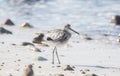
x: 86, y: 57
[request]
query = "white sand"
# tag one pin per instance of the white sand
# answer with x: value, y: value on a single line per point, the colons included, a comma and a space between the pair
x: 99, y: 56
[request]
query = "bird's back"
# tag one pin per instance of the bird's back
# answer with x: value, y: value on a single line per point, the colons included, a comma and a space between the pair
x: 58, y: 36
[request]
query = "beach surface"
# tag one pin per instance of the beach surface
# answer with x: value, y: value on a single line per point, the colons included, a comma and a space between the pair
x: 94, y: 57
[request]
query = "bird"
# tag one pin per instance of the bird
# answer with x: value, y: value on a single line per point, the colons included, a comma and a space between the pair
x: 28, y: 71
x: 57, y: 37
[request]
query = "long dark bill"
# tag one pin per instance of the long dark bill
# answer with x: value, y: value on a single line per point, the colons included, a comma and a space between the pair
x: 74, y: 31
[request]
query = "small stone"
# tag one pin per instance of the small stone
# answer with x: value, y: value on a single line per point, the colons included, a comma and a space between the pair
x: 58, y: 66
x: 59, y: 75
x: 38, y: 39
x: 82, y: 72
x: 3, y: 63
x: 4, y: 31
x: 10, y: 75
x: 68, y: 67
x: 39, y: 67
x: 28, y: 71
x: 8, y: 22
x: 116, y: 20
x: 13, y: 44
x: 88, y: 38
x: 41, y: 58
x: 87, y: 70
x: 91, y: 75
x: 27, y: 43
x: 2, y: 42
x: 18, y: 60
x: 37, y: 50
x: 26, y: 25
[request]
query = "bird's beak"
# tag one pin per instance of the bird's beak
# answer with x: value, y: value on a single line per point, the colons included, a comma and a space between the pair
x: 74, y: 31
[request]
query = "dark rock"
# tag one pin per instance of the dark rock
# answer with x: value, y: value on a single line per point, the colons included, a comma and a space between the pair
x: 2, y: 42
x: 28, y: 71
x: 83, y: 72
x: 36, y: 49
x: 91, y: 75
x: 39, y: 38
x: 41, y: 58
x: 27, y: 25
x: 39, y: 67
x: 68, y: 67
x: 10, y: 75
x: 4, y: 31
x: 88, y: 38
x: 59, y: 75
x: 13, y: 44
x: 87, y: 70
x: 27, y: 43
x: 8, y: 22
x: 116, y: 20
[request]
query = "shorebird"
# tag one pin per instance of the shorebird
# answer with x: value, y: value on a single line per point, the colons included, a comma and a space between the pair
x: 56, y: 37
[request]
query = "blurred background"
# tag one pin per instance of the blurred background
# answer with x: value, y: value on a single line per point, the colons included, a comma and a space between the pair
x: 89, y: 16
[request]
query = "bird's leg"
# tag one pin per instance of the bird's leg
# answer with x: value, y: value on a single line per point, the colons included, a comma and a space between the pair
x: 57, y: 56
x: 53, y: 55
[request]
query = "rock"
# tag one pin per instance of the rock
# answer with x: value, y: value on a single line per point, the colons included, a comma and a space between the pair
x: 13, y: 44
x: 87, y: 70
x: 39, y: 67
x: 29, y: 71
x: 83, y: 72
x: 36, y: 49
x: 41, y: 58
x: 26, y: 25
x: 10, y: 75
x: 4, y: 31
x: 88, y: 38
x: 8, y: 22
x: 59, y: 75
x: 91, y: 75
x: 39, y: 38
x: 27, y: 43
x: 68, y: 67
x: 116, y: 20
x: 33, y: 48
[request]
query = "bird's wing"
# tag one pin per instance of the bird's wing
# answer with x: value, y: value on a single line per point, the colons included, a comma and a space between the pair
x: 55, y: 35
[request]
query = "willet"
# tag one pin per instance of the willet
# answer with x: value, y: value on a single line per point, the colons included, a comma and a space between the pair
x: 57, y: 37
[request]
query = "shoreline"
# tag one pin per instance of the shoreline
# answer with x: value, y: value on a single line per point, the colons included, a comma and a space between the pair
x: 79, y: 53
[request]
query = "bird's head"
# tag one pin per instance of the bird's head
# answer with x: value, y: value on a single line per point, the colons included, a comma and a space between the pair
x: 68, y: 27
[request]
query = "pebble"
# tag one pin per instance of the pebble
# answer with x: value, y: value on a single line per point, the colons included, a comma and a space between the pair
x: 8, y: 22
x: 39, y: 67
x: 68, y: 67
x: 4, y: 31
x: 26, y: 25
x: 41, y: 58
x: 29, y: 71
x: 59, y: 75
x: 91, y: 75
x: 27, y: 43
x: 116, y: 20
